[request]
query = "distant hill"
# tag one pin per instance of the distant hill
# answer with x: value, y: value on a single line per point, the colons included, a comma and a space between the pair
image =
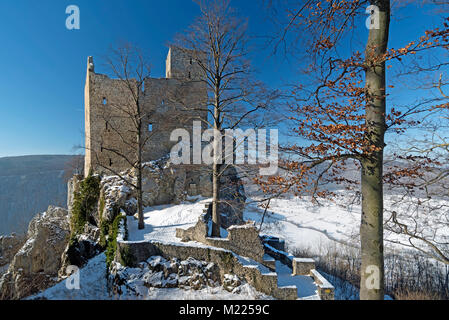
x: 28, y: 185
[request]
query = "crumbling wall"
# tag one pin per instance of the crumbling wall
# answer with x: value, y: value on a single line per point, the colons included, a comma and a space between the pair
x: 255, y: 274
x: 242, y: 239
x: 167, y: 103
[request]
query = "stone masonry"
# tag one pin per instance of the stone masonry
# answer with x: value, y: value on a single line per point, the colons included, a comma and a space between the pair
x: 167, y: 103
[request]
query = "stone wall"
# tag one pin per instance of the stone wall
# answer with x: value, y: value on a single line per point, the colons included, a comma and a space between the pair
x: 326, y: 290
x: 242, y: 239
x: 300, y: 266
x: 181, y: 63
x: 131, y: 253
x: 167, y: 103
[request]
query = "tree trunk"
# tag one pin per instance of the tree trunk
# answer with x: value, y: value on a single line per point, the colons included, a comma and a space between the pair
x: 216, y: 167
x: 141, y: 224
x: 215, y: 200
x: 371, y: 227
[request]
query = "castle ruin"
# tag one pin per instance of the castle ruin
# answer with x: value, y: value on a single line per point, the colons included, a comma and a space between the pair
x: 169, y: 103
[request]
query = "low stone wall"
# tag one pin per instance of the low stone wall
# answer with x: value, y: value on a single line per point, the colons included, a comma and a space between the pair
x: 227, y: 253
x: 303, y: 266
x: 300, y: 266
x: 260, y: 277
x: 274, y: 242
x: 326, y: 290
x: 282, y: 256
x: 242, y: 239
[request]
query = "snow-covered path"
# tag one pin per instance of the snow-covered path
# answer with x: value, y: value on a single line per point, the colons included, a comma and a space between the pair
x: 162, y: 221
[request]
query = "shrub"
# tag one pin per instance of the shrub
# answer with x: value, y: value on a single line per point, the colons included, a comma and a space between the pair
x: 408, y: 276
x: 111, y: 246
x: 84, y: 203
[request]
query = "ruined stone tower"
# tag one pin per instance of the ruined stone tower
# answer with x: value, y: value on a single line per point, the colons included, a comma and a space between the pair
x: 171, y: 102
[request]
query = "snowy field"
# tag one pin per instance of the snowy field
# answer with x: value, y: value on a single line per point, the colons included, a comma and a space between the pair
x: 307, y: 226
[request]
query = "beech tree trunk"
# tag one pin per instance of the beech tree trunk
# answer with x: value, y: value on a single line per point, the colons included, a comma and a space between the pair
x: 371, y: 228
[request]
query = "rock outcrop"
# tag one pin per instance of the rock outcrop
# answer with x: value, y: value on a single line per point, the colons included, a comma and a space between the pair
x: 9, y: 245
x: 81, y: 248
x: 35, y: 266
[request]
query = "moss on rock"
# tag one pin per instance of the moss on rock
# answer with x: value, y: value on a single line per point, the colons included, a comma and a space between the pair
x: 84, y: 204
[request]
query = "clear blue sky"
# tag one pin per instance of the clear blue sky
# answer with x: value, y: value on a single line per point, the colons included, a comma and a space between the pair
x: 43, y: 64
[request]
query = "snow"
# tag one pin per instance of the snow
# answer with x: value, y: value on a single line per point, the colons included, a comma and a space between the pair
x: 216, y: 293
x: 304, y: 225
x: 93, y: 286
x: 162, y: 221
x: 300, y: 223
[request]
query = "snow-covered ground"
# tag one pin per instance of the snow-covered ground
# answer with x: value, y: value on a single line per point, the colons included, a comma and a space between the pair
x: 307, y: 226
x: 162, y: 221
x: 303, y: 225
x: 160, y: 224
x: 93, y: 286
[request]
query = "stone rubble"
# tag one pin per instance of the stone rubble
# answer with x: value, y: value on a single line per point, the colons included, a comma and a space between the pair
x: 158, y: 272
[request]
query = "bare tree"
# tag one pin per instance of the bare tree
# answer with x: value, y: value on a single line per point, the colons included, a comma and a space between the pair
x: 342, y: 113
x: 74, y: 166
x: 128, y: 65
x: 218, y: 41
x: 423, y: 222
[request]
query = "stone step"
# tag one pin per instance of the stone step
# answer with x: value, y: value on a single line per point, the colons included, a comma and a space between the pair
x: 269, y: 262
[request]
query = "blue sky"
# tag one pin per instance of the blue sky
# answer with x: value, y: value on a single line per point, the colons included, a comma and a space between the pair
x: 43, y: 64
